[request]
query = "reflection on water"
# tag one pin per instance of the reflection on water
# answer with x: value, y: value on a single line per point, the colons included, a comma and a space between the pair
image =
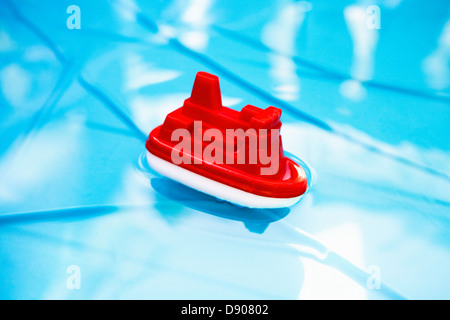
x: 26, y: 164
x: 139, y: 73
x: 364, y: 43
x: 280, y: 34
x: 189, y: 22
x: 15, y: 84
x: 436, y: 65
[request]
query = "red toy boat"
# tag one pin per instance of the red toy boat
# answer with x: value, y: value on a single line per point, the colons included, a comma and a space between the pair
x: 231, y: 155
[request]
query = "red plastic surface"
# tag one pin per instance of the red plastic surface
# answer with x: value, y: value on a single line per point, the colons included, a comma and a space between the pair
x: 205, y: 105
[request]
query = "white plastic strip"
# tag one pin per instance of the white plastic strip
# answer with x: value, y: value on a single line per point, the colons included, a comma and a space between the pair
x: 214, y: 188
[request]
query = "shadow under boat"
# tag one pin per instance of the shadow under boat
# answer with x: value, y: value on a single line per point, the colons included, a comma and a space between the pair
x: 255, y: 220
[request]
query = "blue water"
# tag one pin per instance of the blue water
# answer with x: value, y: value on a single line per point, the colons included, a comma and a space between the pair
x: 366, y: 111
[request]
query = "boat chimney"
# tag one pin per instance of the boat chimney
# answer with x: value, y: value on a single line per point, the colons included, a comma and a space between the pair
x: 206, y: 91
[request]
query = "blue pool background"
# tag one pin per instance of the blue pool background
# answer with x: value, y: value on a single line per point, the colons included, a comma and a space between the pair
x: 366, y: 109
